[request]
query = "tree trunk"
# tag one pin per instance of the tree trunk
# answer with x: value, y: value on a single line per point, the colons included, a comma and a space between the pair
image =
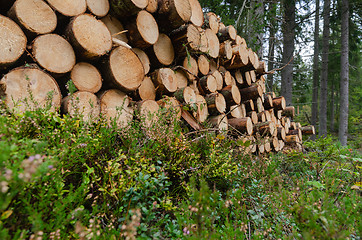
x: 315, y: 69
x: 272, y: 42
x: 288, y: 50
x: 331, y: 127
x: 324, y: 79
x: 344, y: 85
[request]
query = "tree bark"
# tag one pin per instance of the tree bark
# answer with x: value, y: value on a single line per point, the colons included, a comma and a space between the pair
x: 324, y: 79
x: 272, y: 42
x: 344, y: 85
x: 288, y: 50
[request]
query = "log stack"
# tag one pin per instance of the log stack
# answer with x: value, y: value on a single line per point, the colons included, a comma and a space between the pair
x: 136, y: 56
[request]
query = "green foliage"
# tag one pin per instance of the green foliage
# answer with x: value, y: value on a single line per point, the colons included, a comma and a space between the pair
x: 63, y: 178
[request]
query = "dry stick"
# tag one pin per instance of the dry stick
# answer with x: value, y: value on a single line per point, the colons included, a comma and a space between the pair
x: 278, y: 69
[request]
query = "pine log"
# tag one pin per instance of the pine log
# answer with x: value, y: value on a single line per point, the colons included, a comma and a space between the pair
x: 220, y: 122
x: 100, y: 8
x: 69, y: 8
x: 212, y: 22
x: 203, y: 64
x: 86, y: 77
x: 213, y: 65
x: 83, y: 104
x: 148, y: 111
x: 248, y: 144
x: 246, y: 80
x: 238, y: 111
x: 34, y: 16
x: 297, y: 132
x: 146, y: 91
x: 267, y: 145
x: 243, y: 125
x: 144, y: 59
x: 229, y: 79
x: 281, y: 133
x: 292, y: 126
x: 289, y: 112
x: 207, y: 84
x: 164, y: 80
x: 281, y: 145
x: 185, y: 39
x: 278, y: 114
x: 231, y: 94
x: 185, y: 95
x: 27, y: 88
x: 219, y: 80
x: 252, y: 92
x: 181, y: 79
x: 202, y: 112
x: 190, y: 64
x: 204, y: 42
x: 279, y: 103
x: 261, y: 147
x: 261, y: 117
x: 253, y: 115
x: 115, y: 107
x: 197, y: 16
x: 173, y: 13
x: 239, y: 59
x: 226, y: 50
x: 259, y: 105
x: 123, y: 69
x: 213, y: 43
x: 215, y: 103
x: 152, y: 6
x: 261, y: 68
x: 292, y: 139
x: 266, y: 129
x: 143, y: 30
x: 268, y: 102
x: 12, y: 42
x: 239, y: 78
x: 272, y: 94
x: 127, y: 8
x: 172, y: 107
x: 275, y: 143
x: 90, y: 37
x: 162, y: 52
x: 227, y: 33
x: 308, y: 130
x: 194, y: 86
x: 115, y: 27
x: 249, y: 105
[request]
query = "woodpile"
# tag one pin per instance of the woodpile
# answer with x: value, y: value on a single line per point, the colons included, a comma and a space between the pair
x: 137, y: 56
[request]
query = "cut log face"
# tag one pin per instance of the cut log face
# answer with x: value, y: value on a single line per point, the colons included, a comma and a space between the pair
x: 213, y: 43
x: 204, y: 64
x: 152, y: 6
x: 185, y: 95
x: 252, y: 92
x: 53, y: 53
x: 292, y: 139
x: 212, y: 22
x: 187, y: 36
x: 165, y: 80
x: 82, y: 103
x: 12, y: 42
x: 147, y: 90
x: 144, y: 59
x: 279, y: 103
x: 163, y: 50
x: 86, y: 77
x: 231, y: 94
x: 226, y: 50
x: 207, y: 84
x: 172, y: 106
x: 99, y: 8
x: 239, y: 78
x: 227, y: 33
x: 259, y: 105
x: 197, y: 16
x: 219, y: 80
x: 244, y: 125
x: 114, y: 106
x: 21, y: 85
x: 254, y: 116
x: 289, y: 112
x: 215, y: 103
x: 126, y: 8
x: 204, y: 42
x: 143, y: 32
x: 69, y: 8
x: 124, y: 69
x: 148, y: 112
x: 177, y: 12
x: 281, y: 133
x: 201, y: 113
x: 35, y: 16
x: 115, y: 27
x: 238, y: 111
x: 181, y: 79
x: 308, y: 130
x: 229, y: 79
x: 220, y: 122
x: 90, y: 37
x: 191, y: 65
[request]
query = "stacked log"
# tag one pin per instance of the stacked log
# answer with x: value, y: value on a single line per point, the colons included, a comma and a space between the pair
x: 137, y: 56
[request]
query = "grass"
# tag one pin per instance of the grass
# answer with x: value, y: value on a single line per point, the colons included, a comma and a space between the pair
x: 62, y: 178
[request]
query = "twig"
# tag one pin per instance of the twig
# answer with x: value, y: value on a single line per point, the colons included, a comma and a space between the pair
x: 278, y: 69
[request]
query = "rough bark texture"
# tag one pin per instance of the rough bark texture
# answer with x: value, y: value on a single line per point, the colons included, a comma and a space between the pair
x: 344, y: 106
x: 324, y: 79
x: 288, y: 50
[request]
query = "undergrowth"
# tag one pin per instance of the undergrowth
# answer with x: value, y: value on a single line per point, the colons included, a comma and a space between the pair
x: 62, y: 178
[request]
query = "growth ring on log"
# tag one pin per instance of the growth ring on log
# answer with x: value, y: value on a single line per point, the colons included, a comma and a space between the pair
x: 86, y: 77
x: 69, y: 8
x: 12, y: 41
x: 82, y: 103
x: 22, y: 84
x: 54, y: 53
x: 197, y: 16
x: 34, y: 15
x: 99, y: 8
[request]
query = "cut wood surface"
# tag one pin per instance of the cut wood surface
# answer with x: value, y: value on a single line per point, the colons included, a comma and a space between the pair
x: 144, y: 59
x: 238, y: 111
x: 181, y: 78
x: 289, y: 112
x: 253, y: 116
x: 23, y: 84
x: 219, y: 80
x: 244, y: 125
x: 197, y: 15
x: 147, y: 90
x: 34, y: 16
x: 231, y: 94
x: 213, y: 43
x: 83, y: 104
x: 202, y: 112
x: 123, y: 69
x: 164, y: 80
x: 279, y: 103
x: 215, y: 103
x: 162, y: 52
x: 308, y: 130
x: 53, y: 53
x: 207, y: 84
x: 90, y: 37
x: 126, y: 8
x: 190, y: 64
x: 143, y: 31
x: 185, y: 95
x: 86, y: 77
x: 115, y: 27
x: 220, y: 122
x: 212, y: 22
x: 148, y: 110
x: 252, y: 92
x: 226, y: 50
x: 152, y: 6
x: 174, y: 13
x: 172, y: 106
x: 69, y: 8
x: 115, y: 107
x: 99, y: 8
x: 203, y: 64
x: 227, y: 33
x: 12, y: 42
x: 187, y: 36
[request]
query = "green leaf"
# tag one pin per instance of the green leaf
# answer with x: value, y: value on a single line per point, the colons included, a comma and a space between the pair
x: 315, y: 184
x: 6, y: 214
